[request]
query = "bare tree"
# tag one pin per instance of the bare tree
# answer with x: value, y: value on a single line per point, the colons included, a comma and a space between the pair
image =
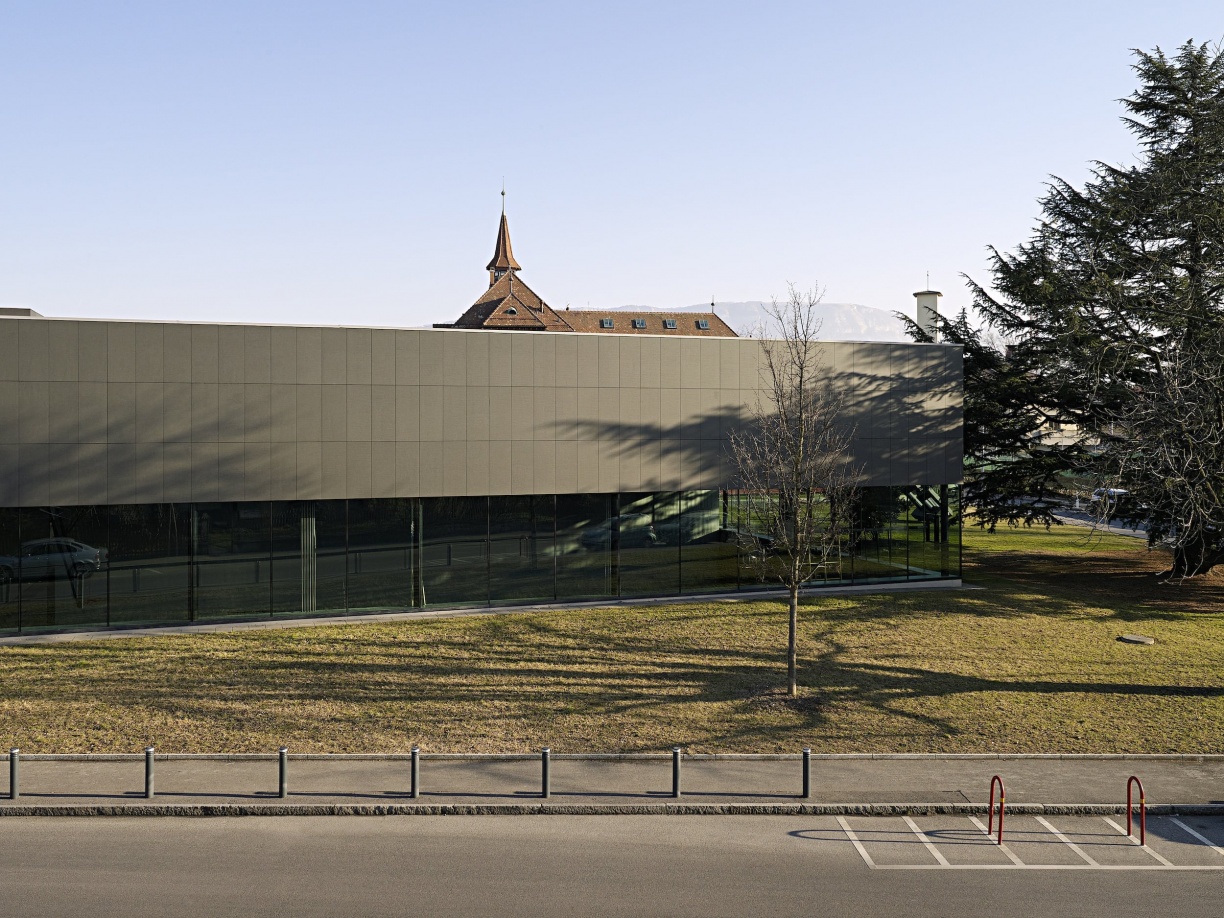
x: 792, y: 460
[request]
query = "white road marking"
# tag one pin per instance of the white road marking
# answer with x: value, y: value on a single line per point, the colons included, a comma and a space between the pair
x: 1066, y: 841
x: 943, y: 861
x: 854, y: 841
x: 1142, y: 867
x: 1203, y: 838
x: 1016, y: 863
x: 1122, y: 831
x: 1006, y: 850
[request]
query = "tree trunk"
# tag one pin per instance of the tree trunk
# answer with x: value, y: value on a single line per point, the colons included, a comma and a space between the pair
x: 1194, y: 556
x: 792, y: 648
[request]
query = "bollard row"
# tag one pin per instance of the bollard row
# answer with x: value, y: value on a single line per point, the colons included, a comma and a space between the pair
x: 415, y: 774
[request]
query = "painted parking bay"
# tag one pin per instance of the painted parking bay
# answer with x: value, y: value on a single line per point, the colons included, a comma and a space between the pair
x: 1031, y: 843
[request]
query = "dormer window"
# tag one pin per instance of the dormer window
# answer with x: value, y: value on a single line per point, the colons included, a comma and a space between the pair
x: 605, y: 323
x: 703, y: 324
x: 639, y: 323
x: 512, y: 311
x: 669, y: 324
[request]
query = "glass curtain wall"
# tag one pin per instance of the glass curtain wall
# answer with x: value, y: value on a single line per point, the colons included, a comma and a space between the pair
x: 522, y: 549
x: 74, y: 567
x: 62, y: 552
x: 149, y: 563
x: 10, y: 584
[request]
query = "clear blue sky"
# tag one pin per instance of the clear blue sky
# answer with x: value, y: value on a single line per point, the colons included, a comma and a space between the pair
x: 341, y: 162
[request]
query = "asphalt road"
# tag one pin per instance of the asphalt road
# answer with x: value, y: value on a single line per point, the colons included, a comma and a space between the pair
x: 601, y: 865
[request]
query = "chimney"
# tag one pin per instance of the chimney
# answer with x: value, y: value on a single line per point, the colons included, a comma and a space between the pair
x: 928, y: 312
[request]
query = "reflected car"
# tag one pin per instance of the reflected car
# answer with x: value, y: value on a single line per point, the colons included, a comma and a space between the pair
x: 632, y: 530
x: 46, y: 558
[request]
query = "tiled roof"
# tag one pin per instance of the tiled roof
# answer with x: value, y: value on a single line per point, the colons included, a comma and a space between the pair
x: 588, y: 320
x: 511, y: 304
x: 493, y: 309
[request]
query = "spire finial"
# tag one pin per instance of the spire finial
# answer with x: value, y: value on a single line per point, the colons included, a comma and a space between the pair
x: 503, y: 256
x: 928, y: 273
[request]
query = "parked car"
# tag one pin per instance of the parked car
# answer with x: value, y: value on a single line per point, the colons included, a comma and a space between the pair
x: 42, y: 559
x: 1109, y: 494
x: 630, y: 530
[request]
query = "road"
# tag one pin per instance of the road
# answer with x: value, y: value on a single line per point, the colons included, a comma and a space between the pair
x: 602, y: 865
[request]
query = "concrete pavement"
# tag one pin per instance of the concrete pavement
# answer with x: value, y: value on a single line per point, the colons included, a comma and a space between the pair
x: 599, y: 866
x: 111, y: 784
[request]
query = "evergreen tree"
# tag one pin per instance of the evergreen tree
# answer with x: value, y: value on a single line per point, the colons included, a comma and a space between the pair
x: 1115, y: 308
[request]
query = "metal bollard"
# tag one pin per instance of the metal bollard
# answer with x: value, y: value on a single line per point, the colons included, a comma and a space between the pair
x: 284, y: 773
x: 545, y: 776
x: 14, y: 773
x: 675, y: 771
x: 415, y: 792
x: 807, y: 773
x: 148, y: 772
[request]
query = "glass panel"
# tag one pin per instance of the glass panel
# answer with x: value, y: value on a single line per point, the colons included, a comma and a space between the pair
x: 649, y: 544
x: 709, y: 554
x: 316, y: 531
x: 150, y: 570
x: 587, y: 531
x: 294, y: 537
x: 954, y: 531
x: 872, y: 546
x: 331, y: 545
x: 522, y: 556
x: 10, y: 589
x: 924, y: 530
x: 454, y: 550
x: 233, y: 563
x: 745, y: 533
x: 380, y: 556
x: 62, y: 564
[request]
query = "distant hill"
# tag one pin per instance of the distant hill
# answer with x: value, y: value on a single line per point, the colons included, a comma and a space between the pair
x: 839, y: 321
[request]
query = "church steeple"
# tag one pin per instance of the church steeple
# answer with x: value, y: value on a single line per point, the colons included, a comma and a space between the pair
x: 503, y: 256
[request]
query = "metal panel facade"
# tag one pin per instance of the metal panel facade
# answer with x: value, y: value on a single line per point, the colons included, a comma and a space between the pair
x: 99, y: 412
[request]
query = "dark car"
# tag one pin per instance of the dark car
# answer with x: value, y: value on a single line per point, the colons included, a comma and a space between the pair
x: 43, y: 559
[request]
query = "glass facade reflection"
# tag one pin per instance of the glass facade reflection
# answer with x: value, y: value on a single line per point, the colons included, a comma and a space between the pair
x: 122, y: 565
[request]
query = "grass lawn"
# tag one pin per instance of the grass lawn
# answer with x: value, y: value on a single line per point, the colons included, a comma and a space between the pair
x: 1028, y: 663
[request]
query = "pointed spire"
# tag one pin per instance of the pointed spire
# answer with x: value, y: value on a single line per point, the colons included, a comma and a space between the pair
x: 503, y: 255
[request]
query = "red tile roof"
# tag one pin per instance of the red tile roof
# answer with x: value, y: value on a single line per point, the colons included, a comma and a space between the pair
x: 511, y: 304
x: 588, y: 320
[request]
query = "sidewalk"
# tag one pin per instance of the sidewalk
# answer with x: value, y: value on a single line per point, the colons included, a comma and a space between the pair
x: 113, y: 785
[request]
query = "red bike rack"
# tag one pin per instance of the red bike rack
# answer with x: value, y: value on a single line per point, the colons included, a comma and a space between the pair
x: 1002, y: 805
x: 1131, y: 782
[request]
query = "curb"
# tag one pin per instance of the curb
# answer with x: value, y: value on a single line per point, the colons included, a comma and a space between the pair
x: 679, y: 809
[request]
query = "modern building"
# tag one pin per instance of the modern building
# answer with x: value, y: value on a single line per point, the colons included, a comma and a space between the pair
x: 163, y: 472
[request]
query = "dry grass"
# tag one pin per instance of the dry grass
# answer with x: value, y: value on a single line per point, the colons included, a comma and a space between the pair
x: 1029, y: 663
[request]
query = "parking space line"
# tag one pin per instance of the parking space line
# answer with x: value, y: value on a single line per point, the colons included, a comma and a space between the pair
x: 1203, y: 838
x: 858, y: 845
x: 1141, y: 867
x: 1006, y: 850
x: 1135, y: 841
x: 943, y: 861
x: 1066, y: 841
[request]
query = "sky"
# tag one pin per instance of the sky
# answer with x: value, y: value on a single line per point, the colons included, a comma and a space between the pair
x: 342, y: 163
